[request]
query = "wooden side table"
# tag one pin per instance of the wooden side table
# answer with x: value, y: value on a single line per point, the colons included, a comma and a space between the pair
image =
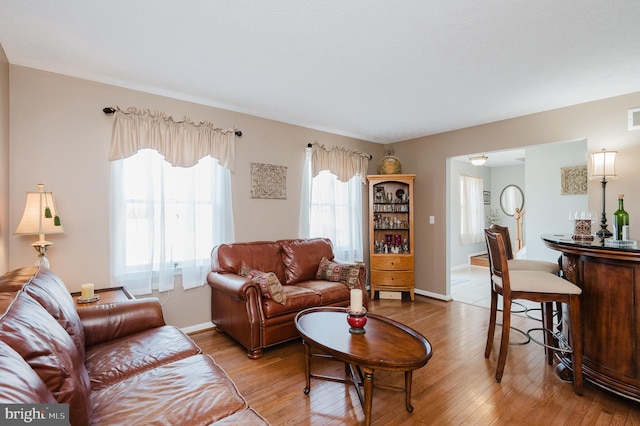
x: 107, y: 295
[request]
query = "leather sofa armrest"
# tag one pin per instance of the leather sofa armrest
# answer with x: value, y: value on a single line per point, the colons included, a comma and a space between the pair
x: 103, y: 323
x: 233, y: 285
x: 236, y: 309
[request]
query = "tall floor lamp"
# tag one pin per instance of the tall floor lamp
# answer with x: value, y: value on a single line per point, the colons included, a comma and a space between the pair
x: 603, y: 167
x: 40, y: 217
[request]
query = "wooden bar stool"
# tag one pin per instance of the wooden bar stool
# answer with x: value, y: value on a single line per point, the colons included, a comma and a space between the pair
x: 536, y: 286
x: 532, y: 265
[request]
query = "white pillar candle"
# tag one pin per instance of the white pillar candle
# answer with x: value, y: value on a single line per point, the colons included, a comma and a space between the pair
x: 87, y: 291
x: 356, y: 300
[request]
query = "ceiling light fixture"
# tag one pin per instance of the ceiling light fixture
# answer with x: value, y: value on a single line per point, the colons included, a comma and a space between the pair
x: 478, y: 160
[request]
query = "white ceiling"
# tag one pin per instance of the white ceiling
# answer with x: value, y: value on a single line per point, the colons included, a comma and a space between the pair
x: 378, y: 70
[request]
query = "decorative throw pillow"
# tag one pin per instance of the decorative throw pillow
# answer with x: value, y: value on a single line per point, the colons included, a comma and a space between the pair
x: 338, y: 272
x: 269, y: 283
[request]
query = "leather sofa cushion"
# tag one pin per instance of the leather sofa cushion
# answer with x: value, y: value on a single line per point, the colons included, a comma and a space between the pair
x: 298, y: 298
x: 20, y: 384
x: 116, y: 360
x: 301, y: 258
x: 194, y: 388
x: 13, y: 281
x: 32, y: 332
x: 329, y: 292
x: 5, y: 299
x: 111, y: 321
x: 48, y: 290
x: 262, y: 256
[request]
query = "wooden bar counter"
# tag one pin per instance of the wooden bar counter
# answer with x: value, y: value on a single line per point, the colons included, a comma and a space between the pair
x: 610, y: 309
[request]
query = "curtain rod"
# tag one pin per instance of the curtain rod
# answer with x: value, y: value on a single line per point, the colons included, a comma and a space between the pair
x: 110, y: 110
x: 309, y: 145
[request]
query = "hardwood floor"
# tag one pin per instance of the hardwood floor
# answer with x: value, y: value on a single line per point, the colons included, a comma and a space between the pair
x: 456, y: 386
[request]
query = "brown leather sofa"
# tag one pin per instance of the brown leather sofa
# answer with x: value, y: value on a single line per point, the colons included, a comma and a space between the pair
x: 238, y: 306
x: 112, y: 363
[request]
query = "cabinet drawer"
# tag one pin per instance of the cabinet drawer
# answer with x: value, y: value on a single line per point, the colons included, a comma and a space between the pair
x: 391, y: 278
x: 391, y: 262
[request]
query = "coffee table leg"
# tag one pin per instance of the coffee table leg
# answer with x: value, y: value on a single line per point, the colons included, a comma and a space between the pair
x: 307, y: 366
x: 368, y: 394
x: 407, y: 390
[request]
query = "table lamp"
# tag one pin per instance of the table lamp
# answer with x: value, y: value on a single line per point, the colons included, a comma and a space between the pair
x: 603, y: 166
x: 39, y: 218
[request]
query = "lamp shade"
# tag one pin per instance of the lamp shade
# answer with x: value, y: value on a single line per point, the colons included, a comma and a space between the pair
x: 40, y: 215
x: 603, y: 165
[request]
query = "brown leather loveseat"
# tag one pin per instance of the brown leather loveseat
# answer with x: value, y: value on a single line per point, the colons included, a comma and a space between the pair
x: 113, y: 363
x: 243, y: 308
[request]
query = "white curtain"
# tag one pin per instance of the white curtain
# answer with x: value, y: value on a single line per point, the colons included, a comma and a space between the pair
x: 472, y: 210
x: 332, y: 208
x: 164, y: 219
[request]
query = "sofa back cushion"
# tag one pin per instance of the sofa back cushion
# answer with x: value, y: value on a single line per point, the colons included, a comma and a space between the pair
x: 12, y: 282
x: 20, y: 384
x: 301, y: 258
x: 47, y: 288
x: 34, y: 334
x: 262, y: 256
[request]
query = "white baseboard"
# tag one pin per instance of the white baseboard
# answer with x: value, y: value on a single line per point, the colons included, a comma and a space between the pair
x: 433, y: 295
x: 198, y: 327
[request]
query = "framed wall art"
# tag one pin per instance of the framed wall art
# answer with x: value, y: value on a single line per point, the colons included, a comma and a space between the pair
x: 573, y: 180
x: 486, y: 196
x: 268, y: 181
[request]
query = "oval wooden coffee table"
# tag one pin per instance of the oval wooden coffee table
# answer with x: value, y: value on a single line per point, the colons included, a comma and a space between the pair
x: 385, y: 345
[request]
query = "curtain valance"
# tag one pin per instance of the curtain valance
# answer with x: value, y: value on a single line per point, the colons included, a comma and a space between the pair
x: 342, y: 162
x: 182, y: 143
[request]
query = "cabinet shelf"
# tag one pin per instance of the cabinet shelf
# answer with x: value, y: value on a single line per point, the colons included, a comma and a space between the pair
x: 391, y: 208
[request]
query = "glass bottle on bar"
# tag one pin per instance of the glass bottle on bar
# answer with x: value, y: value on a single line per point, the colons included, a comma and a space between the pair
x: 621, y: 221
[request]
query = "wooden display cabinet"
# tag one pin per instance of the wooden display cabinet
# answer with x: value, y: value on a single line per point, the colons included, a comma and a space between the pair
x: 391, y: 230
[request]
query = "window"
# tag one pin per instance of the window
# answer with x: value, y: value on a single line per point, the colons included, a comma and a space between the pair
x: 166, y: 220
x: 333, y: 209
x: 471, y: 210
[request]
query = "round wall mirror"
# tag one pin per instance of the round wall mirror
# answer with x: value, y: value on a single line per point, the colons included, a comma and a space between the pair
x: 511, y: 198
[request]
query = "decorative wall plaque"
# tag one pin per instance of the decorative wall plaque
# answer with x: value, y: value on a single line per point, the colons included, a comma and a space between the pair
x: 268, y: 181
x: 573, y: 180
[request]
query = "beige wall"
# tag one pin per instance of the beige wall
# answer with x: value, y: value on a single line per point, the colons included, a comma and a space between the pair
x: 5, y: 231
x: 60, y: 137
x: 604, y: 125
